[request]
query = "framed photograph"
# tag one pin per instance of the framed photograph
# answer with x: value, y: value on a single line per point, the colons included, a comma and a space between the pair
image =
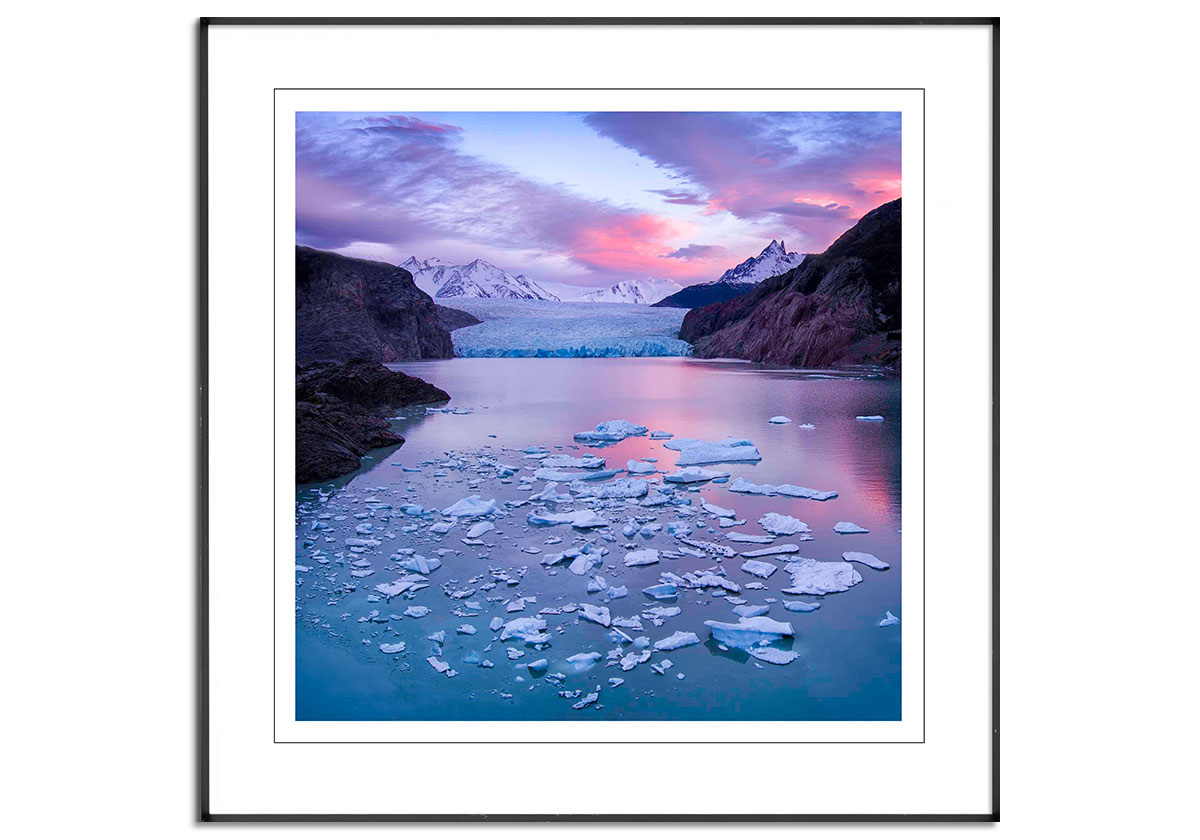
x: 599, y: 419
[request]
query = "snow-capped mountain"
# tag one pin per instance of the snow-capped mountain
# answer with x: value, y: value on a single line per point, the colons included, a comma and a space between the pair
x: 627, y: 291
x: 773, y: 260
x: 477, y: 279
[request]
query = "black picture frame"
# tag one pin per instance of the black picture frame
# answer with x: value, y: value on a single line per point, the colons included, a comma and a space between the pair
x: 204, y: 812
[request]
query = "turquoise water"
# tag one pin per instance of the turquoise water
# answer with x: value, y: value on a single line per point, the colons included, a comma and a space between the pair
x: 848, y: 667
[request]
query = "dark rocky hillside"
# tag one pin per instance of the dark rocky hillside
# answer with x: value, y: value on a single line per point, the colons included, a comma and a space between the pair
x: 341, y: 410
x: 455, y: 319
x: 348, y: 309
x: 837, y: 308
x: 703, y: 294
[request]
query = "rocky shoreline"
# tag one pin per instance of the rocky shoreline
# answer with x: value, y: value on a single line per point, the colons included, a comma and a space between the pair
x: 341, y: 410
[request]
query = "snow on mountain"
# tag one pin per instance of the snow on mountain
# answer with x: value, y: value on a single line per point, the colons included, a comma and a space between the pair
x: 773, y: 260
x: 627, y: 291
x: 477, y: 279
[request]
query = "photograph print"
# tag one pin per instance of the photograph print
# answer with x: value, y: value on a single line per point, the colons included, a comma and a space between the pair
x: 598, y: 416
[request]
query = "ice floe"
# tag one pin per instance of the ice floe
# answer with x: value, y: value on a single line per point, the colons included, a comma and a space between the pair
x: 472, y: 506
x: 758, y: 568
x: 864, y: 558
x: 622, y: 488
x: 693, y: 475
x: 749, y: 632
x: 779, y: 419
x: 577, y: 519
x: 612, y: 431
x: 741, y: 485
x: 642, y: 557
x: 782, y: 525
x: 773, y: 655
x: 694, y: 451
x: 815, y: 577
x: 678, y: 639
x: 889, y: 620
x: 849, y: 528
x: 869, y: 418
x: 640, y: 467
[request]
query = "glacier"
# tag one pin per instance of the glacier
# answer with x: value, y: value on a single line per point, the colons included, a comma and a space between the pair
x: 551, y: 329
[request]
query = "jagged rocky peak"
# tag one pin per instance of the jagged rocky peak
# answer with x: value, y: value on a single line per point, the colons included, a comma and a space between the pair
x: 625, y: 291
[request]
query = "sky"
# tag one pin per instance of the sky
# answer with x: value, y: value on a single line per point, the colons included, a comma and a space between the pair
x: 589, y: 199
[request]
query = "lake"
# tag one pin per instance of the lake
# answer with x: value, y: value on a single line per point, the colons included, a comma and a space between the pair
x: 848, y: 666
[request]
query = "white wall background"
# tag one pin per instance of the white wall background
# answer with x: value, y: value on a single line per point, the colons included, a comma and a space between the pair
x: 1098, y: 399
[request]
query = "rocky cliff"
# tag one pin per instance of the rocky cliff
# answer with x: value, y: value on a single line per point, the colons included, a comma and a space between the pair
x: 837, y: 308
x: 702, y: 294
x: 340, y: 414
x: 358, y: 309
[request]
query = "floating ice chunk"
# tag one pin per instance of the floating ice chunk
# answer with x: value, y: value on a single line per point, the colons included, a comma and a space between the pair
x: 472, y: 506
x: 801, y: 606
x: 396, y: 648
x: 710, y: 547
x: 613, y: 682
x: 741, y: 485
x: 700, y: 580
x: 773, y: 655
x: 678, y: 639
x: 805, y: 492
x: 758, y: 568
x: 631, y: 528
x: 538, y: 665
x: 588, y: 699
x: 678, y: 529
x: 516, y: 605
x: 612, y: 431
x: 642, y: 557
x: 849, y: 528
x: 730, y: 450
x: 480, y: 529
x: 716, y: 510
x: 692, y: 475
x: 622, y: 488
x: 550, y: 494
x: 869, y: 418
x: 587, y: 462
x: 661, y: 435
x: 527, y: 628
x: 581, y: 566
x: 782, y: 525
x: 466, y: 630
x: 661, y: 591
x: 779, y: 419
x: 584, y: 661
x: 391, y: 590
x: 749, y: 632
x: 737, y: 536
x: 634, y: 658
x: 495, y: 624
x: 813, y: 577
x: 577, y: 519
x: 662, y: 612
x: 552, y: 474
x: 864, y: 558
x: 417, y: 612
x: 441, y: 667
x: 889, y: 620
x: 640, y: 467
x: 786, y: 548
x: 806, y: 426
x: 423, y: 565
x: 751, y: 610
x: 597, y: 615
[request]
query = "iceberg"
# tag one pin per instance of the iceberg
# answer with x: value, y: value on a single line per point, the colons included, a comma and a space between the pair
x: 472, y: 506
x: 396, y: 648
x: 678, y: 639
x: 640, y: 467
x: 551, y: 494
x: 758, y: 568
x: 787, y: 548
x: 889, y: 620
x: 801, y: 606
x: 741, y: 485
x: 813, y: 577
x: 717, y: 510
x: 751, y: 610
x: 849, y: 528
x: 597, y: 615
x: 612, y: 431
x: 584, y: 661
x: 693, y: 451
x: 422, y: 565
x: 737, y: 536
x: 869, y: 418
x: 773, y: 655
x: 661, y: 591
x: 642, y: 557
x: 749, y: 632
x: 586, y: 462
x: 479, y: 530
x: 864, y: 558
x: 417, y: 612
x: 782, y: 525
x: 780, y: 419
x: 622, y: 488
x: 577, y: 519
x: 528, y: 629
x: 661, y: 435
x: 692, y: 475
